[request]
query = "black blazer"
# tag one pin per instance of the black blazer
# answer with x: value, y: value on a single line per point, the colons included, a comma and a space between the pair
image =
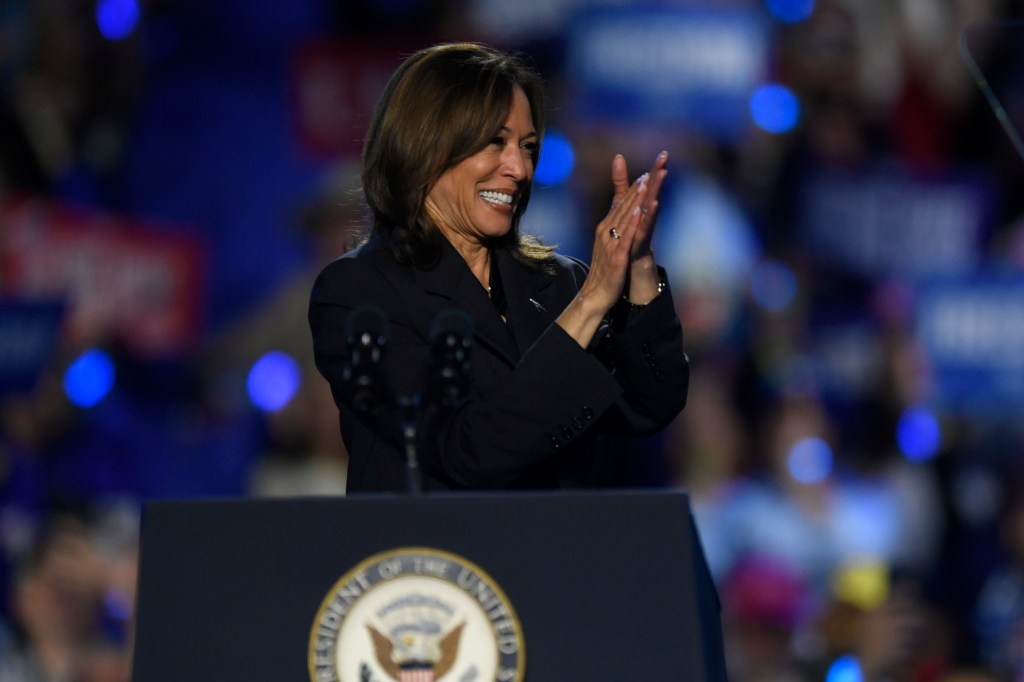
x: 537, y: 400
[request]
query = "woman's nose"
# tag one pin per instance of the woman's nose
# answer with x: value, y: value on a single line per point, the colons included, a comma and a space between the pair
x: 512, y: 160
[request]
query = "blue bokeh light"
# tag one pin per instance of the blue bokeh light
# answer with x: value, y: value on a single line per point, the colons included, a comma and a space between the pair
x: 116, y: 19
x: 557, y: 159
x: 89, y: 378
x: 790, y: 11
x: 772, y: 285
x: 774, y: 108
x: 273, y: 380
x: 844, y: 669
x: 918, y: 434
x: 810, y: 460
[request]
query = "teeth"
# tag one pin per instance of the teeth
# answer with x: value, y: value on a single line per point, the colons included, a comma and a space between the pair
x: 497, y: 197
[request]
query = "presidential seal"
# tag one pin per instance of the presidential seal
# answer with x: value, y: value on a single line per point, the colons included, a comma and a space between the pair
x: 416, y: 615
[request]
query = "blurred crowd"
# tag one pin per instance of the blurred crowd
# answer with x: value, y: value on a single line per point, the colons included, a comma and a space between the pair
x: 839, y: 551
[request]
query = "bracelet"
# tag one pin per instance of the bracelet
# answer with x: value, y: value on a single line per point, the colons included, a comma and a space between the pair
x: 640, y: 306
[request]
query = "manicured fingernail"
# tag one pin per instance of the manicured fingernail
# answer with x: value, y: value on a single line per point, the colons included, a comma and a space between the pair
x: 663, y: 154
x: 636, y: 209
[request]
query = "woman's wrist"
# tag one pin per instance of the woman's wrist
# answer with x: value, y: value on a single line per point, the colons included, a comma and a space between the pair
x: 644, y: 282
x: 581, y: 318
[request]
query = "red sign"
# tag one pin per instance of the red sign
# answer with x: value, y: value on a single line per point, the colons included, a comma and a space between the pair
x: 122, y: 279
x: 336, y: 86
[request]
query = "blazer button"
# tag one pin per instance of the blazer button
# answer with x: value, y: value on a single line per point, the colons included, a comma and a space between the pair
x: 566, y: 433
x: 577, y: 423
x: 587, y: 412
x: 555, y: 443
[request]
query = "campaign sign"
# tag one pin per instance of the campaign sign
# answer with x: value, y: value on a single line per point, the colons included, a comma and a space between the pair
x: 123, y: 279
x: 28, y: 334
x: 335, y: 86
x: 972, y: 330
x: 886, y: 222
x: 693, y: 66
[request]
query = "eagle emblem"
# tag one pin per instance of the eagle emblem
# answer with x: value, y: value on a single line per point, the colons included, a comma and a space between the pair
x: 415, y: 656
x: 416, y: 614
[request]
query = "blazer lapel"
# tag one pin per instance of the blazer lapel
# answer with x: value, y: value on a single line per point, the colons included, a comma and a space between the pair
x: 528, y: 308
x: 451, y: 284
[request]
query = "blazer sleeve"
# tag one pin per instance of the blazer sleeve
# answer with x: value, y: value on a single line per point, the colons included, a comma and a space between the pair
x: 645, y: 350
x: 633, y: 379
x: 550, y: 401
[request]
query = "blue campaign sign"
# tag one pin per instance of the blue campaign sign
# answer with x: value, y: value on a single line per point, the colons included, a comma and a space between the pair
x: 28, y: 334
x: 693, y: 66
x: 883, y: 221
x: 972, y: 331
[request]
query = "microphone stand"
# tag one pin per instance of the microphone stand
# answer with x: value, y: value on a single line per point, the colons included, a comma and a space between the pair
x: 447, y: 379
x: 410, y: 437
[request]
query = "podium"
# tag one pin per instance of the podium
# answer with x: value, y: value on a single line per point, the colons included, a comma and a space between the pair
x: 602, y: 585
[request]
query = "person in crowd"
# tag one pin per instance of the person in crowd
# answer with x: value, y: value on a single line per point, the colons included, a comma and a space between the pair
x: 560, y: 352
x: 66, y: 621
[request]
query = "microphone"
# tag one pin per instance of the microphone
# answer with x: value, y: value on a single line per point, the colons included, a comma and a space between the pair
x: 366, y: 334
x: 366, y: 385
x: 451, y: 339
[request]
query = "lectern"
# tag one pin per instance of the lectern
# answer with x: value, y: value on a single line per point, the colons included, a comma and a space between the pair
x: 572, y: 586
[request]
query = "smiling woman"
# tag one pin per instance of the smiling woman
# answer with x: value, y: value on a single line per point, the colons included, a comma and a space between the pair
x: 474, y: 201
x: 561, y: 353
x: 443, y: 106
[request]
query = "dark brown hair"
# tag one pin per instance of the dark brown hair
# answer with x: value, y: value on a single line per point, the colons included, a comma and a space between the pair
x: 441, y: 106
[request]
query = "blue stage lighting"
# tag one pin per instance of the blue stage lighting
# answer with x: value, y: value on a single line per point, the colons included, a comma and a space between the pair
x: 273, y: 380
x: 791, y: 11
x: 844, y: 669
x: 772, y: 285
x: 89, y: 378
x: 117, y: 18
x: 557, y: 159
x: 810, y: 460
x: 918, y: 434
x: 774, y: 108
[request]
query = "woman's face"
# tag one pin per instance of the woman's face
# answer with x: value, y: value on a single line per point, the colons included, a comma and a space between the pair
x: 475, y: 199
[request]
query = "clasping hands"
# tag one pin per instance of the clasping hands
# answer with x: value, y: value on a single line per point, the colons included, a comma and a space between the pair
x: 637, y: 205
x: 622, y: 262
x: 655, y: 178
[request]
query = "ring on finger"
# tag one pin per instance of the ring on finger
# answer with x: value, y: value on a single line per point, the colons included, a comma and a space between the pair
x: 614, y: 233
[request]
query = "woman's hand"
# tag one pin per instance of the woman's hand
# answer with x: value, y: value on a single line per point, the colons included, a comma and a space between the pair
x: 656, y: 178
x: 643, y: 275
x: 621, y: 250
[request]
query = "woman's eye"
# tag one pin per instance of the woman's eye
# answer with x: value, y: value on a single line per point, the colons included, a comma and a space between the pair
x: 498, y: 141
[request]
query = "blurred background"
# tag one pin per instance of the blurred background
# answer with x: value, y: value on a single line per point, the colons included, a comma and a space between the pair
x: 843, y: 225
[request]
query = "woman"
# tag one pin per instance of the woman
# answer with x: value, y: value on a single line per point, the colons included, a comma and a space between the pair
x: 560, y: 354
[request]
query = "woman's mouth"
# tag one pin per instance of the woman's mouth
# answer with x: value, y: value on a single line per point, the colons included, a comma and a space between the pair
x: 497, y: 198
